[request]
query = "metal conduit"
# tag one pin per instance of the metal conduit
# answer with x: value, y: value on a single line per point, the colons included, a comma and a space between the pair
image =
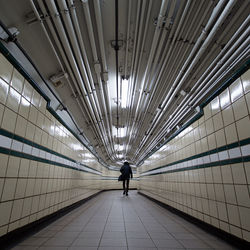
x: 182, y: 105
x: 149, y: 91
x: 75, y: 68
x: 205, y: 44
x: 171, y: 63
x: 201, y: 92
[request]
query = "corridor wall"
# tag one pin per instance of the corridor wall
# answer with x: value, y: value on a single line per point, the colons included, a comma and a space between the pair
x: 205, y: 170
x: 43, y: 167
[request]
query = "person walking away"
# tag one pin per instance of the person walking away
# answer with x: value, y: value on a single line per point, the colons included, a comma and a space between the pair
x: 126, y: 174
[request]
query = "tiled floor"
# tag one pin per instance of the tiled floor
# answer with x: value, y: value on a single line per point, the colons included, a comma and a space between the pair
x: 112, y: 221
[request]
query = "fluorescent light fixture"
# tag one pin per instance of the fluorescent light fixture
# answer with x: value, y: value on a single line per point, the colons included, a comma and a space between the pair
x: 76, y: 146
x: 114, y: 131
x: 88, y: 155
x: 119, y: 147
x: 122, y: 132
x: 124, y: 93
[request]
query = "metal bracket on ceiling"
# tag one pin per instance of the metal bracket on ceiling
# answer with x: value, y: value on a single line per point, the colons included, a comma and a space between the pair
x: 117, y: 45
x: 60, y: 107
x: 11, y: 37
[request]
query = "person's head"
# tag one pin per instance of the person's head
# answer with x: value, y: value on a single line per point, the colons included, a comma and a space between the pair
x: 126, y: 163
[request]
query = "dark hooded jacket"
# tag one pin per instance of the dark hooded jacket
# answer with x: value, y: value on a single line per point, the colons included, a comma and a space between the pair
x: 126, y: 171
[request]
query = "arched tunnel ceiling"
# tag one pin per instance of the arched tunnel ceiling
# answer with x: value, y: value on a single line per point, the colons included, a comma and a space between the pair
x: 130, y: 72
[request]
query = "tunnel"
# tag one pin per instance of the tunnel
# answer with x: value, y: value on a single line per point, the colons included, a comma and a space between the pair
x: 124, y: 124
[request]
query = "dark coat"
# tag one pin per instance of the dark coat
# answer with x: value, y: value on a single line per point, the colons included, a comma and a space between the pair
x: 126, y: 171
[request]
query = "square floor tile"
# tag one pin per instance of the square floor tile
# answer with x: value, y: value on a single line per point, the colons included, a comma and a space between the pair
x: 110, y: 222
x: 90, y: 242
x: 156, y: 229
x: 118, y: 235
x: 170, y: 243
x: 66, y: 234
x: 142, y: 248
x: 33, y: 241
x: 183, y: 236
x: 112, y: 248
x: 59, y: 242
x: 24, y: 248
x: 45, y: 234
x: 140, y: 243
x: 191, y: 243
x: 52, y: 248
x: 73, y: 228
x: 82, y: 248
x: 137, y: 235
x: 90, y: 234
x: 161, y: 235
x: 113, y: 242
x: 114, y: 229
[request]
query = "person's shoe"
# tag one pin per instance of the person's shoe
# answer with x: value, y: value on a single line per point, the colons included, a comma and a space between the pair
x: 126, y: 194
x: 123, y: 192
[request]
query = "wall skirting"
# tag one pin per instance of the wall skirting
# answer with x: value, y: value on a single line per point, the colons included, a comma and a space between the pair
x: 231, y: 239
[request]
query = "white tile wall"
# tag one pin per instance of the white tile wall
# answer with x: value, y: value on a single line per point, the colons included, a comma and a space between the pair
x: 221, y: 193
x: 24, y: 183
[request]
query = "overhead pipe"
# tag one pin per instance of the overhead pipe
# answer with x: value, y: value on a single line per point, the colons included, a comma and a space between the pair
x: 180, y: 105
x: 104, y: 91
x: 31, y: 62
x: 170, y: 52
x: 65, y: 59
x: 198, y: 55
x: 76, y: 49
x: 201, y: 92
x: 85, y: 5
x: 138, y: 60
x: 81, y: 43
x: 94, y: 52
x: 83, y: 50
x: 153, y: 47
x: 74, y: 42
x: 73, y: 38
x: 243, y: 47
x: 176, y: 87
x: 142, y: 119
x: 138, y: 55
x: 246, y: 52
x: 135, y: 51
x: 168, y: 57
x: 127, y: 39
x: 116, y: 62
x: 69, y: 26
x: 147, y: 102
x: 161, y: 44
x: 146, y: 96
x: 93, y: 46
x: 56, y: 17
x: 167, y: 60
x: 55, y: 53
x: 150, y: 59
x: 132, y: 85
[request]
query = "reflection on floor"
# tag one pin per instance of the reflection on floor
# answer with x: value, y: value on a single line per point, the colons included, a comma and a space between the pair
x: 112, y: 221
